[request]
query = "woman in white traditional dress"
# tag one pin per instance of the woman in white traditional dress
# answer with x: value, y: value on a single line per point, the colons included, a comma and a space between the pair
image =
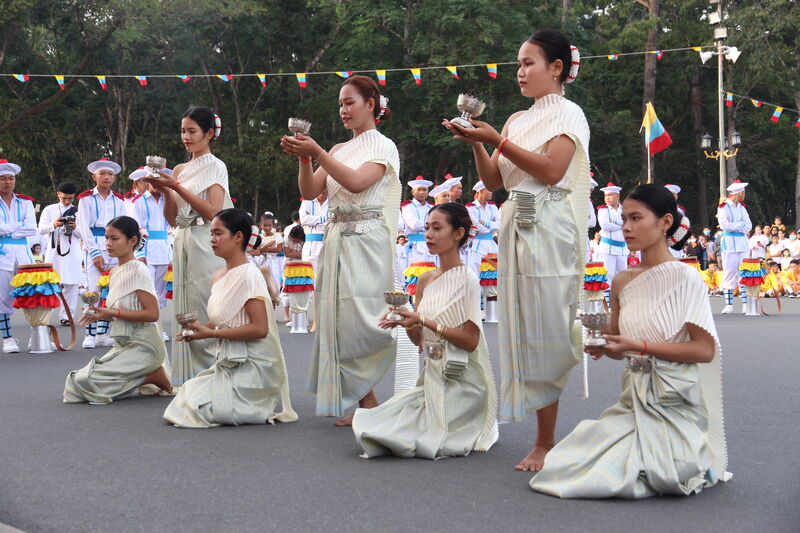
x: 192, y: 195
x: 138, y: 353
x: 452, y: 411
x: 542, y: 158
x: 665, y: 435
x: 355, y: 267
x: 248, y: 377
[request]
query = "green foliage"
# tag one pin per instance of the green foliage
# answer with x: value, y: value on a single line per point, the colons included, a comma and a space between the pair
x: 128, y: 122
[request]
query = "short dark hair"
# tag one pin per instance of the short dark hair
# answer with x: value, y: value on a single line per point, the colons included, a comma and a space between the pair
x: 295, y: 215
x: 66, y: 187
x: 298, y: 233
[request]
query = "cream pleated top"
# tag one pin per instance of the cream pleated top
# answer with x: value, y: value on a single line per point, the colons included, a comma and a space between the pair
x: 124, y: 281
x: 231, y: 292
x: 201, y: 173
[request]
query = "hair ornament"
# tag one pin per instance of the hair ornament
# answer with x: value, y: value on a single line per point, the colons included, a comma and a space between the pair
x: 681, y: 232
x: 254, y: 235
x: 217, y: 126
x: 384, y: 102
x: 142, y: 239
x: 575, y: 64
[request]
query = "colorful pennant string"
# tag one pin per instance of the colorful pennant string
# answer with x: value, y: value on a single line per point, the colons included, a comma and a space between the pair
x: 225, y: 77
x: 301, y: 79
x: 492, y: 69
x: 453, y: 70
x: 263, y: 79
x: 613, y: 57
x: 22, y: 78
x: 381, y: 76
x: 60, y: 79
x: 417, y: 73
x: 184, y: 78
x: 102, y: 81
x: 776, y: 115
x: 728, y: 100
x: 344, y: 73
x: 142, y: 80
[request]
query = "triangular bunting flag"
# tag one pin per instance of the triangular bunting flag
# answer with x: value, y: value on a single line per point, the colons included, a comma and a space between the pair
x: 263, y: 79
x: 729, y: 99
x: 453, y: 70
x: 797, y: 123
x: 102, y: 81
x: 142, y: 80
x: 776, y: 115
x: 184, y: 78
x: 697, y: 48
x: 659, y: 54
x: 613, y: 57
x: 60, y: 79
x: 301, y: 79
x: 381, y: 77
x: 756, y: 103
x: 22, y: 78
x: 225, y: 77
x: 344, y: 73
x: 492, y: 69
x: 417, y: 73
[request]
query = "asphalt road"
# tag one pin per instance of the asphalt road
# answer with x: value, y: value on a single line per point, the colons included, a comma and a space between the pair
x: 120, y: 468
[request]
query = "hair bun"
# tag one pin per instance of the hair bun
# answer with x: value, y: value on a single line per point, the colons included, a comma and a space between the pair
x: 680, y: 235
x: 255, y: 238
x: 142, y: 239
x: 217, y: 126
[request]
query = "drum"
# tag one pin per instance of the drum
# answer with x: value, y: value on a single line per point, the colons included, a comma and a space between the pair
x: 36, y: 291
x: 414, y: 271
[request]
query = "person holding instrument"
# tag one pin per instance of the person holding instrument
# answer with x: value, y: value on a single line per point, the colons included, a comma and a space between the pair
x: 542, y: 158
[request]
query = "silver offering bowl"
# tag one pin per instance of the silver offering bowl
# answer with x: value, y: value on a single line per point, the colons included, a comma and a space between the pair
x: 89, y: 299
x: 298, y: 126
x: 395, y: 299
x: 436, y: 349
x: 184, y: 319
x: 594, y: 318
x: 154, y: 163
x: 470, y: 107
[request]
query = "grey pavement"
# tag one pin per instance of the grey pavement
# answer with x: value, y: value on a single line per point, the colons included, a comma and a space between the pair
x: 120, y: 468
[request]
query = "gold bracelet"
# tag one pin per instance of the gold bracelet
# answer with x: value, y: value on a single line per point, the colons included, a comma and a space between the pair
x: 439, y: 330
x: 421, y: 321
x: 414, y: 326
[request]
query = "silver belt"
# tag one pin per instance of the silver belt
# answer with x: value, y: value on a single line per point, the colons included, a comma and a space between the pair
x: 640, y: 364
x: 359, y: 222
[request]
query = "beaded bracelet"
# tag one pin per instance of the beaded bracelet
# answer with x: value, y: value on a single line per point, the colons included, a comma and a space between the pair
x: 644, y: 349
x: 501, y: 145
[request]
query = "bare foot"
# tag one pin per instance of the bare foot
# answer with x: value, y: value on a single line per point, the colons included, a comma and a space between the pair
x: 346, y: 421
x: 534, y: 461
x: 159, y: 379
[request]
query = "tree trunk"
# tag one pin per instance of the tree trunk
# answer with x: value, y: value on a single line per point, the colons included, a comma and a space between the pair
x: 696, y: 109
x: 566, y: 5
x: 649, y: 93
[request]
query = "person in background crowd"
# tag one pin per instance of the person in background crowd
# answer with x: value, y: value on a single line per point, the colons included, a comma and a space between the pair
x: 612, y: 249
x: 713, y: 278
x: 775, y: 249
x: 295, y: 222
x: 782, y: 237
x: 792, y: 278
x: 36, y: 252
x: 758, y: 243
x: 785, y: 260
x: 64, y: 252
x: 594, y: 247
x: 693, y: 249
x: 778, y: 223
x: 772, y: 284
x: 773, y: 232
x: 441, y: 194
x: 633, y: 260
x: 705, y: 246
x: 455, y: 187
x: 793, y: 245
x: 96, y: 207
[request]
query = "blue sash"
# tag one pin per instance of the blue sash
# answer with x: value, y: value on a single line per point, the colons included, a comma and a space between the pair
x: 484, y: 237
x: 732, y: 234
x: 98, y: 232
x: 13, y: 240
x: 612, y: 242
x: 158, y: 235
x: 315, y: 237
x: 416, y: 237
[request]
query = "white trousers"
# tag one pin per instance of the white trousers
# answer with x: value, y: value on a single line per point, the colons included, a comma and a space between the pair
x: 70, y: 293
x: 730, y: 267
x: 158, y: 272
x: 5, y: 294
x: 614, y: 264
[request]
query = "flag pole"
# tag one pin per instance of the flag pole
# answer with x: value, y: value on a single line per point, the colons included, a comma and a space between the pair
x: 649, y: 169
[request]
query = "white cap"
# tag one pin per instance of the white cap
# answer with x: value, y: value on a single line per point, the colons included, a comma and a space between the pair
x: 592, y: 183
x: 450, y: 182
x: 9, y: 168
x: 419, y: 182
x: 103, y: 164
x: 611, y: 188
x: 137, y: 174
x: 674, y: 189
x: 444, y: 187
x: 478, y: 186
x: 737, y: 186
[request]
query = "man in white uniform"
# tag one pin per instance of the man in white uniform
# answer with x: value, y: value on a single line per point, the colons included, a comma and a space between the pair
x: 758, y: 243
x: 313, y: 217
x: 147, y: 208
x: 735, y: 224
x: 414, y: 213
x: 612, y: 247
x: 96, y: 207
x: 64, y: 246
x: 592, y: 218
x: 485, y: 217
x: 455, y: 187
x: 17, y: 224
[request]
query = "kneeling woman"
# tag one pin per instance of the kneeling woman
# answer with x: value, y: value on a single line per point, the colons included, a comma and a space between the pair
x: 452, y: 411
x: 138, y: 353
x: 665, y: 434
x: 248, y: 377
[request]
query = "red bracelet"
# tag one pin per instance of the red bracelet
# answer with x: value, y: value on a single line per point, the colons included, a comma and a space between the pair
x: 644, y: 350
x: 500, y: 146
x: 304, y: 159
